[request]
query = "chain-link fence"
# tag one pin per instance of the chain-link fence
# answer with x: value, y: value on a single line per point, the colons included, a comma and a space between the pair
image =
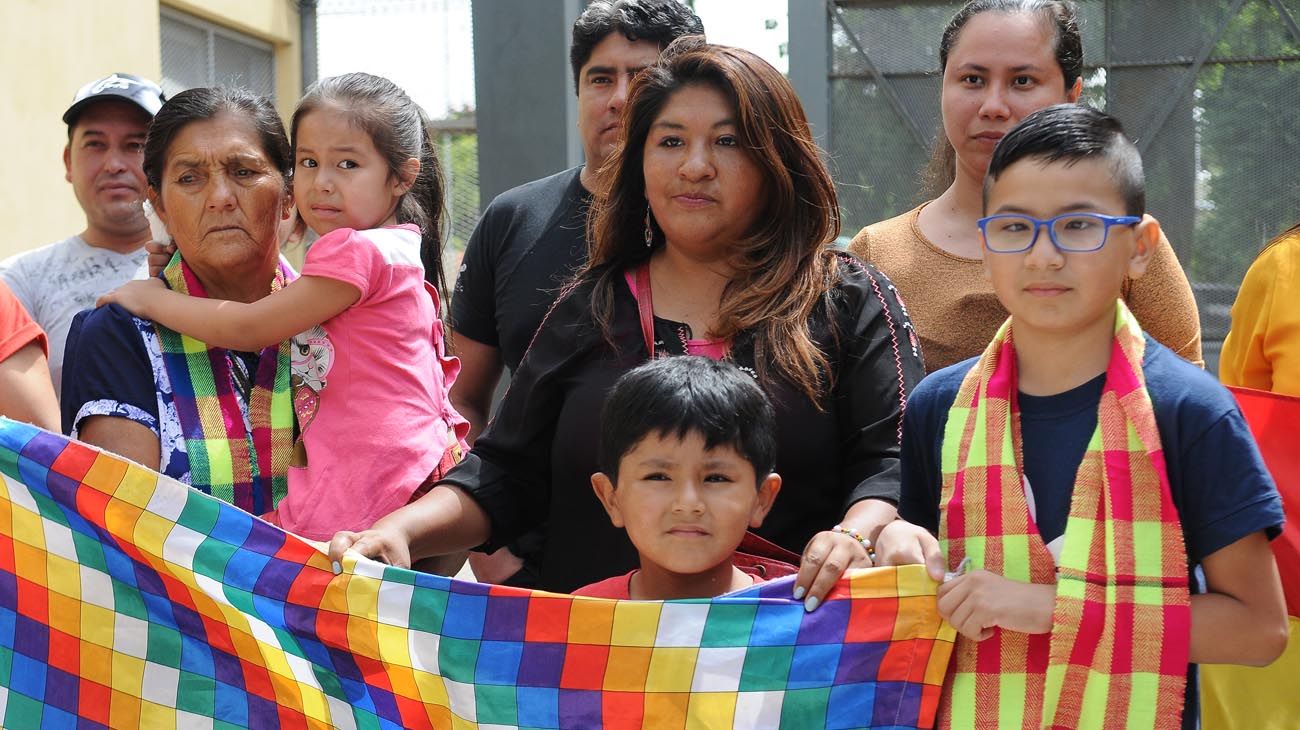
x: 1206, y: 88
x: 457, y: 140
x: 198, y: 53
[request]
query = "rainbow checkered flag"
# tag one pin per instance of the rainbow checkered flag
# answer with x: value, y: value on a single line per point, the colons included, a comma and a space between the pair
x: 130, y: 600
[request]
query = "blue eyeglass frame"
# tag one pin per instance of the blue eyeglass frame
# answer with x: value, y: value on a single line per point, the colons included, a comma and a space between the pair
x: 1108, y: 220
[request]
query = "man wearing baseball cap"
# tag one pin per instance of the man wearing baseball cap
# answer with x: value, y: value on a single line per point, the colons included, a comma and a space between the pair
x: 106, y: 129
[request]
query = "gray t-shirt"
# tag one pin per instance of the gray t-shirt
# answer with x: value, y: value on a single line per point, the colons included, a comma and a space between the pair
x: 55, y: 282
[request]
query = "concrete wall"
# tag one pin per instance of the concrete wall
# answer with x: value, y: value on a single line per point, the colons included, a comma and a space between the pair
x: 810, y: 63
x: 524, y: 91
x: 49, y: 48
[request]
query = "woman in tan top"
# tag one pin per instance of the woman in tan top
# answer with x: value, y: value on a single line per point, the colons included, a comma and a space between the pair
x: 1001, y: 60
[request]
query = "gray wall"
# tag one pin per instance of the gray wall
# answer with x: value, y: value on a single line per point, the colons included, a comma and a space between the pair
x: 524, y: 91
x: 809, y: 26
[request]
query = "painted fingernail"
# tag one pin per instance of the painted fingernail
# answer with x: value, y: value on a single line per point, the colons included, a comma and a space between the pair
x: 798, y: 592
x: 811, y: 604
x: 338, y: 569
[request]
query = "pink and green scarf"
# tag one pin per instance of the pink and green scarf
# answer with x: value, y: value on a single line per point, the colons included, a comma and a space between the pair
x: 248, y: 470
x: 1118, y: 650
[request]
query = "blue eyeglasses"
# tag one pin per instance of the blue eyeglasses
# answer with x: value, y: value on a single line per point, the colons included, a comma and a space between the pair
x: 1071, y: 232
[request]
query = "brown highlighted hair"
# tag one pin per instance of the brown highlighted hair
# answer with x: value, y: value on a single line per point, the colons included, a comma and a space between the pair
x: 400, y: 130
x: 1064, y: 20
x: 783, y: 267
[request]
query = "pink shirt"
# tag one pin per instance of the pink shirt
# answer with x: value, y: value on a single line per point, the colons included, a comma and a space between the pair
x: 370, y: 387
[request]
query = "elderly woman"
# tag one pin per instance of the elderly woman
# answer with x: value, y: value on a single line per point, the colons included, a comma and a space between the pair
x: 218, y: 165
x: 729, y: 259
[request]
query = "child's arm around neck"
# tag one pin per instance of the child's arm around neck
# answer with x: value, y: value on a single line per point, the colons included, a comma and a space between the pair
x: 308, y: 301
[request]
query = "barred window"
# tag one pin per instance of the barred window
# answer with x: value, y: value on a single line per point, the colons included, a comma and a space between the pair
x: 198, y: 53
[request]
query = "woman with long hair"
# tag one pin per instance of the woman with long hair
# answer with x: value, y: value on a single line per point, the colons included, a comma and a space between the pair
x: 708, y: 237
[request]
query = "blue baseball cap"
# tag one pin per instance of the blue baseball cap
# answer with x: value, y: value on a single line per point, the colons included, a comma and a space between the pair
x: 142, y: 92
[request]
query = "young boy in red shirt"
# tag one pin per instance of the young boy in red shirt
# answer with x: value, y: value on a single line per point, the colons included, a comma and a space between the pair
x: 686, y: 453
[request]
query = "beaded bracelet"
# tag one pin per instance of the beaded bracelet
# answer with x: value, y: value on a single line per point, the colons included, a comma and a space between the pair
x: 853, y: 533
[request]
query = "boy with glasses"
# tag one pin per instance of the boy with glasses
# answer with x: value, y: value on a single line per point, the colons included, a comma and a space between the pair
x: 1082, y: 470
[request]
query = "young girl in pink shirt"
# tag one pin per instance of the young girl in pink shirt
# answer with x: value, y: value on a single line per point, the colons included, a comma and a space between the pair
x: 369, y: 371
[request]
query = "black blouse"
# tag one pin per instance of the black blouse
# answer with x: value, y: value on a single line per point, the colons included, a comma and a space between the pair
x: 533, y: 464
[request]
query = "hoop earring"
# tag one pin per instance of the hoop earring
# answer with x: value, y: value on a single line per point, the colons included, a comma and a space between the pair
x: 649, y: 231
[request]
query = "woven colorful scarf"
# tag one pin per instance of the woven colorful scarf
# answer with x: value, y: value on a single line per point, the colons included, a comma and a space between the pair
x: 1121, y: 627
x: 248, y: 470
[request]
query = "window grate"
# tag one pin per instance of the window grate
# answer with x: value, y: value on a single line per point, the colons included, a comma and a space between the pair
x: 198, y: 53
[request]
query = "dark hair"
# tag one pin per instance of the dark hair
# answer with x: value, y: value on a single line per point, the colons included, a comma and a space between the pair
x: 1064, y: 19
x: 678, y: 396
x: 783, y: 268
x: 658, y: 21
x: 1070, y: 133
x: 203, y: 103
x: 400, y: 130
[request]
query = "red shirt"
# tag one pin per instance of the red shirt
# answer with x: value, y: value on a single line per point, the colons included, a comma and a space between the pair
x: 620, y: 586
x: 17, y: 330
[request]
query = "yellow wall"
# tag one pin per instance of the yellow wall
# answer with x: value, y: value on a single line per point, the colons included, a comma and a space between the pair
x: 51, y: 47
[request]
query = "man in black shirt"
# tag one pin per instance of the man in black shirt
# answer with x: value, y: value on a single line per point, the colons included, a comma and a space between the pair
x: 530, y: 239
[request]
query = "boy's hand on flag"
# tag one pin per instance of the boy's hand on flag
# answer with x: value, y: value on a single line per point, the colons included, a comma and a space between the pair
x: 979, y: 601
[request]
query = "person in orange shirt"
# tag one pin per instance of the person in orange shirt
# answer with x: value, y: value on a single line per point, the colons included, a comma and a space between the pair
x: 1262, y: 350
x: 26, y: 393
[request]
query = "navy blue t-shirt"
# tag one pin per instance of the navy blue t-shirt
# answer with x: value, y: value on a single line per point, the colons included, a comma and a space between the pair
x: 1217, y: 478
x: 530, y: 240
x: 1055, y: 431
